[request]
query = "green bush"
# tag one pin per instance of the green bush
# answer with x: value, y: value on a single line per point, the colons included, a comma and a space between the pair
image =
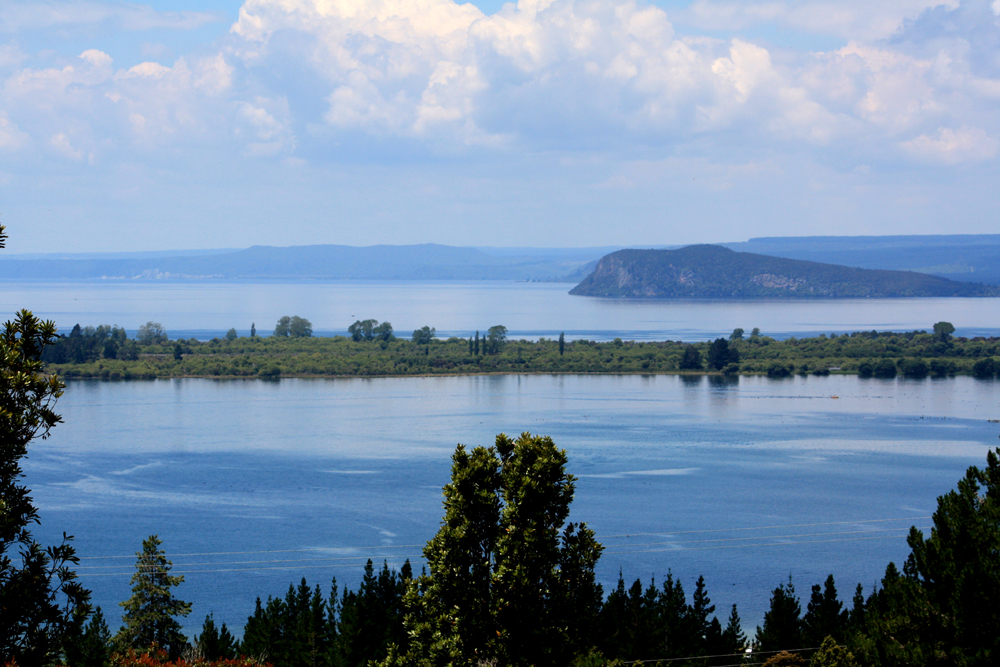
x: 984, y: 368
x: 884, y: 368
x: 914, y: 368
x: 778, y: 370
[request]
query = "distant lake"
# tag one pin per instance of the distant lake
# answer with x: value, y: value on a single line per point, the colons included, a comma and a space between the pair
x: 253, y: 485
x: 528, y: 310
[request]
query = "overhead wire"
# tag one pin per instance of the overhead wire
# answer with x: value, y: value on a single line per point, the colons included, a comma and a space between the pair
x: 664, y: 533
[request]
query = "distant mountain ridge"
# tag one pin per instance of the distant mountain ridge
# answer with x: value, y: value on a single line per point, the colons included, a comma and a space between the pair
x: 964, y: 257
x: 321, y: 262
x: 715, y: 272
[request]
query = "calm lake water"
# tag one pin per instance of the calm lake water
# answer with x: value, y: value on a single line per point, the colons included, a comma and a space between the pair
x: 253, y: 485
x: 528, y: 310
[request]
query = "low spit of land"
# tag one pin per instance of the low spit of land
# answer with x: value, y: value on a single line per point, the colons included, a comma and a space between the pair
x: 880, y: 354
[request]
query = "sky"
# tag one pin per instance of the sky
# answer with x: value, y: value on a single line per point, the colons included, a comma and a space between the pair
x: 187, y: 124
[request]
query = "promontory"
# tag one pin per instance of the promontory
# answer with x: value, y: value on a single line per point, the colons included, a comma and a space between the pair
x: 715, y: 272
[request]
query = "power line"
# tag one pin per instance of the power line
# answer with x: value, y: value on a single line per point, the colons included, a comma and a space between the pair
x: 726, y: 655
x: 416, y: 558
x: 793, y: 525
x: 770, y: 537
x: 665, y: 533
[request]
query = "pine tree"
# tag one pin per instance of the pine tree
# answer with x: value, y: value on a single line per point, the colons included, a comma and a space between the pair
x: 782, y: 629
x: 733, y: 637
x: 215, y: 643
x: 825, y: 615
x: 700, y: 626
x: 150, y: 613
x: 562, y: 343
x: 93, y: 647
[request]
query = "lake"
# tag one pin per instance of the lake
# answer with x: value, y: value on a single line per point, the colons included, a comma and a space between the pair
x: 254, y: 484
x: 528, y: 310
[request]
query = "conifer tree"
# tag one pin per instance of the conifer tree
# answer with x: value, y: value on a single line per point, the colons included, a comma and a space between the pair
x: 150, y: 613
x: 215, y: 643
x: 734, y: 639
x: 825, y: 615
x: 782, y: 629
x: 93, y: 647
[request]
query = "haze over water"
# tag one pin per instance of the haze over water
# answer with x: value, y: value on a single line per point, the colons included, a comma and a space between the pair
x: 528, y: 310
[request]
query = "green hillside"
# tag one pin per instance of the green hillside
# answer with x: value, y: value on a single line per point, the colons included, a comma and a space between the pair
x: 715, y: 272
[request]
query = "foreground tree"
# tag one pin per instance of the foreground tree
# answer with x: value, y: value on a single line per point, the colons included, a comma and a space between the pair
x: 958, y: 567
x: 509, y: 580
x: 41, y: 603
x: 150, y: 613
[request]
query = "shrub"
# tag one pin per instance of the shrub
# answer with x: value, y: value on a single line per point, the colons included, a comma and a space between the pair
x: 984, y: 368
x: 885, y: 368
x: 914, y: 368
x: 777, y: 370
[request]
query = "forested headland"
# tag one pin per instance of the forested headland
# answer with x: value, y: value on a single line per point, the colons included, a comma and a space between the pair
x: 715, y: 272
x: 371, y: 349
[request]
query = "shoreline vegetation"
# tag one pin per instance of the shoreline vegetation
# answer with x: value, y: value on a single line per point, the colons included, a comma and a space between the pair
x: 371, y: 349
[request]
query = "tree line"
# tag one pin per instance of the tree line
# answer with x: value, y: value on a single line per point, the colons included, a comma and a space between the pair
x: 371, y: 348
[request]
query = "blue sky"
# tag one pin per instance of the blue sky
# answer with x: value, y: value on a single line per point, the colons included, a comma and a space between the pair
x: 184, y: 124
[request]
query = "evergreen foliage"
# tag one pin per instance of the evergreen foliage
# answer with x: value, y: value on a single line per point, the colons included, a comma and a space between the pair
x: 149, y: 618
x: 93, y: 647
x: 42, y: 605
x: 825, y: 615
x: 215, y: 643
x: 782, y: 628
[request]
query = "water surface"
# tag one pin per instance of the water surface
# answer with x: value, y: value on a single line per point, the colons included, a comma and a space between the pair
x: 528, y: 310
x: 745, y: 480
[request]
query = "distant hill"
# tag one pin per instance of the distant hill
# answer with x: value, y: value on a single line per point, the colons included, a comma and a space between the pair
x: 318, y: 262
x: 964, y: 257
x: 715, y: 272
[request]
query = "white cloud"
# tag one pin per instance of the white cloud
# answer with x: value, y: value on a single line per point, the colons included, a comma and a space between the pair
x: 952, y: 146
x: 605, y: 76
x: 11, y: 138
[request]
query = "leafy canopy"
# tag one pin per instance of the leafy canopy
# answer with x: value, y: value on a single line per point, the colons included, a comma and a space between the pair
x: 41, y: 603
x: 509, y: 580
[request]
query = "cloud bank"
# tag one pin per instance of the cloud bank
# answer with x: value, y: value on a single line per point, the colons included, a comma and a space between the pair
x: 913, y: 85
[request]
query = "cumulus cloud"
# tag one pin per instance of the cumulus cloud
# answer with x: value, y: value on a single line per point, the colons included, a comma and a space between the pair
x: 569, y: 75
x: 951, y: 146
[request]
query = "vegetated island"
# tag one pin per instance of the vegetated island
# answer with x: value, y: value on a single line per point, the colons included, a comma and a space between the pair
x: 715, y: 272
x: 372, y: 349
